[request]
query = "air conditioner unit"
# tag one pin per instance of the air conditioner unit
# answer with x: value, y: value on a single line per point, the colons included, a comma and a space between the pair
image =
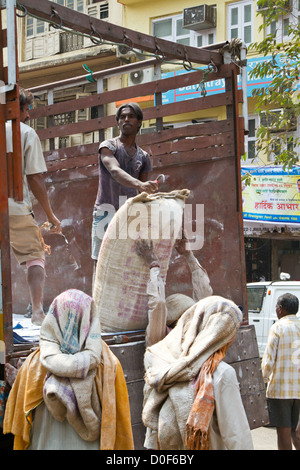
x: 200, y: 17
x: 140, y: 76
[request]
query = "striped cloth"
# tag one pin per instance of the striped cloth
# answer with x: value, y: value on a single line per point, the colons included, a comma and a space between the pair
x: 281, y: 359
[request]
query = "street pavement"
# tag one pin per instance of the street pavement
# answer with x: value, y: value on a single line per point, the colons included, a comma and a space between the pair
x: 264, y: 438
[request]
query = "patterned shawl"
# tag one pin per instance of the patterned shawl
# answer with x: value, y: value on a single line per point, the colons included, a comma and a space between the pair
x: 70, y: 350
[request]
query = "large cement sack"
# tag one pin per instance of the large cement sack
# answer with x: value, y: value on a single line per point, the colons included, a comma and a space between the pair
x: 121, y: 275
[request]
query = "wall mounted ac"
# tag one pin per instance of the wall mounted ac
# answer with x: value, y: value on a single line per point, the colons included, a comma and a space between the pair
x: 140, y: 76
x: 199, y: 17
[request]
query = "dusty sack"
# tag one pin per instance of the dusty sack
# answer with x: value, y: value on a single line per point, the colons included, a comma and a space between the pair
x: 121, y: 275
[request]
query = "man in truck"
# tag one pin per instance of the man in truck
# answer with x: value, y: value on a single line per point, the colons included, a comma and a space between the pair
x: 24, y: 230
x: 123, y: 171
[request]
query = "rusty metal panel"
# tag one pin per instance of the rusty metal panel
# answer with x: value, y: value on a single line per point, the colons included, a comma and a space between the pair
x: 243, y: 356
x: 68, y: 266
x: 212, y: 183
x: 131, y: 357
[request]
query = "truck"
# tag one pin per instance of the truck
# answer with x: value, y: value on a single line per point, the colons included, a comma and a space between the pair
x: 262, y: 299
x: 202, y: 156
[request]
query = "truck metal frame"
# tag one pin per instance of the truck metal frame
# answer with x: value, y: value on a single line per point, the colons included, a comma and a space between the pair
x: 202, y: 157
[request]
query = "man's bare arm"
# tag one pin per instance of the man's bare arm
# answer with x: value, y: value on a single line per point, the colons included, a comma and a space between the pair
x: 119, y: 175
x: 37, y: 186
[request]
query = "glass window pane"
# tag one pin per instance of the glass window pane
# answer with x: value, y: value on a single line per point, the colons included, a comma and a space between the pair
x: 39, y: 26
x: 247, y: 13
x: 180, y: 31
x: 70, y: 4
x: 185, y: 41
x: 211, y: 38
x: 251, y: 149
x: 163, y: 28
x: 290, y: 144
x: 251, y: 125
x: 273, y: 28
x: 247, y: 34
x: 234, y: 16
x: 255, y: 298
x: 199, y: 41
x: 60, y: 2
x: 80, y: 5
x: 286, y: 27
x: 234, y: 33
x: 29, y: 26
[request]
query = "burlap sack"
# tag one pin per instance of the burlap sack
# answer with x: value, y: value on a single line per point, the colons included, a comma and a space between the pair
x: 121, y: 275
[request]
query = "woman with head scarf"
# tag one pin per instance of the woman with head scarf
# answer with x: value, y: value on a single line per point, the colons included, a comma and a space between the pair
x: 71, y: 392
x: 191, y: 396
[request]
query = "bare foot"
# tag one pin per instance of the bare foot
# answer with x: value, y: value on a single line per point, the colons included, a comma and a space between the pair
x: 38, y: 317
x: 10, y: 374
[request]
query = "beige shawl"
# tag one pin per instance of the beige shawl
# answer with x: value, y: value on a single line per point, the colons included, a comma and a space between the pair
x: 173, y: 364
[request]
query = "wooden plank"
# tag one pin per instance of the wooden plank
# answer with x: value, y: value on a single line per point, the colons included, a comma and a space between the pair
x: 73, y: 81
x: 198, y: 155
x: 160, y: 159
x: 154, y: 138
x: 70, y: 152
x: 205, y: 128
x: 188, y: 144
x: 144, y: 89
x: 118, y: 34
x: 192, y: 105
x: 75, y: 162
x: 76, y: 174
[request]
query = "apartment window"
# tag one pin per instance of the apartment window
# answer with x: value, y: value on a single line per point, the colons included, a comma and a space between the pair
x: 34, y: 27
x: 99, y: 10
x: 286, y: 142
x: 240, y: 21
x: 104, y: 10
x: 171, y: 29
x: 251, y: 138
x: 77, y: 5
x: 280, y: 28
x: 204, y: 39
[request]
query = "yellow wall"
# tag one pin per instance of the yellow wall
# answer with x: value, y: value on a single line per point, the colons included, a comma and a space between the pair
x: 138, y: 14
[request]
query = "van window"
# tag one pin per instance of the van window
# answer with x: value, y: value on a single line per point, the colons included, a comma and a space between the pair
x: 255, y: 298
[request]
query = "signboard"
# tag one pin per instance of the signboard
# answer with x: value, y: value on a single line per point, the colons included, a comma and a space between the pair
x: 273, y: 195
x: 216, y: 86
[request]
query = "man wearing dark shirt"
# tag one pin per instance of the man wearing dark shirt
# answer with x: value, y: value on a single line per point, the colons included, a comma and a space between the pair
x: 123, y: 172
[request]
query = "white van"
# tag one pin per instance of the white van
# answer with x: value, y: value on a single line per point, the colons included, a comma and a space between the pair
x: 262, y: 299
